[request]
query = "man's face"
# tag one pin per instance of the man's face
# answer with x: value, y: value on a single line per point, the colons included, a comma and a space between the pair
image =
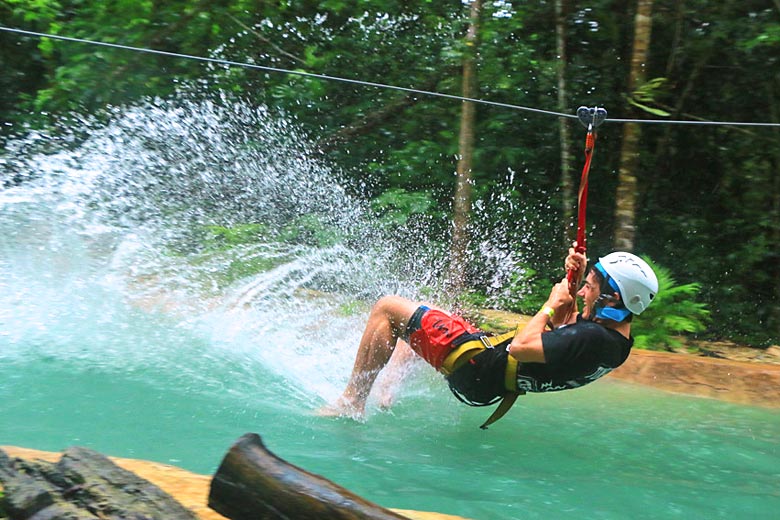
x: 589, y: 294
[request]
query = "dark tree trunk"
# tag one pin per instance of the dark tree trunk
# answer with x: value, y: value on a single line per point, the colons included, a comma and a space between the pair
x: 567, y: 183
x: 462, y: 199
x: 625, y: 199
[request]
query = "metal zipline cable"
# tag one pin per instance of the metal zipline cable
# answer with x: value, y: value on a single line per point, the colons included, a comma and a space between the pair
x: 285, y: 71
x: 365, y: 83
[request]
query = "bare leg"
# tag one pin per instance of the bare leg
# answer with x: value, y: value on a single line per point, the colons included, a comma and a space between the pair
x: 388, y: 318
x: 393, y: 374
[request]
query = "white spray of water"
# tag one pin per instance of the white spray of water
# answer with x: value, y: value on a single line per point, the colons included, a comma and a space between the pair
x: 106, y: 235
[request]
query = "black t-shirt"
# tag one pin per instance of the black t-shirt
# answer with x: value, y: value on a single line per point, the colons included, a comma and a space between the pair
x: 575, y: 355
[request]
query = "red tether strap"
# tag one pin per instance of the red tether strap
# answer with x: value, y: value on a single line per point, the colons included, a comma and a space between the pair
x: 573, y: 276
x: 591, y: 118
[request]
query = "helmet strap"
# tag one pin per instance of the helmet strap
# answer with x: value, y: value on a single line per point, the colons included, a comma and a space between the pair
x: 602, y: 310
x: 611, y: 313
x: 608, y: 280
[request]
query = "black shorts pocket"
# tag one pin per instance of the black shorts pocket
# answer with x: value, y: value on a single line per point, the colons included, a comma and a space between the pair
x: 480, y: 382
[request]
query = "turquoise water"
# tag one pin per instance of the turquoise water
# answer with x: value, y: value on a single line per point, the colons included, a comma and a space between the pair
x: 110, y: 340
x: 610, y: 451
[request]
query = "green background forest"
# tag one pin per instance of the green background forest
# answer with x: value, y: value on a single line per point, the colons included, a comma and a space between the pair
x: 703, y: 200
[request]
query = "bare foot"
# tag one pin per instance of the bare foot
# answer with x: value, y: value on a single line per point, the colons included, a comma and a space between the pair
x: 393, y: 375
x: 342, y: 408
x: 387, y: 395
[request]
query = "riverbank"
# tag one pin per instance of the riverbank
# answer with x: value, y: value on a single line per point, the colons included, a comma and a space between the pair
x: 189, y: 489
x: 742, y: 382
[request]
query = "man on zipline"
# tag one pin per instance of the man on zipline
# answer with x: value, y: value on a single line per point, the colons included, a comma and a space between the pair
x: 558, y: 349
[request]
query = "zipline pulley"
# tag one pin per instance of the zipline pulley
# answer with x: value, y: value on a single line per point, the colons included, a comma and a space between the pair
x: 591, y: 118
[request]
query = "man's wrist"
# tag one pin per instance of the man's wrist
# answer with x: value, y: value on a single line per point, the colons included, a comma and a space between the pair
x: 547, y: 311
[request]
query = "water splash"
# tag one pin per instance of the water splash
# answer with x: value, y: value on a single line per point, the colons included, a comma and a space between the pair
x: 107, y: 233
x: 215, y: 219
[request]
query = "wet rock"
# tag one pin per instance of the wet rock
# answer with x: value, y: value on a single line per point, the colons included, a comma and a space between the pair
x: 82, y: 485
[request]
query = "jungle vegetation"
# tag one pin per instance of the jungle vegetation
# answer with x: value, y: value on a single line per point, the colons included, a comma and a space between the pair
x: 701, y: 200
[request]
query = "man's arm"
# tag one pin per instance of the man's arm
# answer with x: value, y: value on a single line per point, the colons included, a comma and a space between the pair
x: 527, y: 344
x: 560, y: 309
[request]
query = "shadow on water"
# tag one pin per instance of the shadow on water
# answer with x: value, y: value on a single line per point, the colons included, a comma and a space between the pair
x: 141, y: 316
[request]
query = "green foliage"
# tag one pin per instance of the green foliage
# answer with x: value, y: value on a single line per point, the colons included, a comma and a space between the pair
x: 237, y: 245
x: 528, y: 291
x: 242, y: 251
x: 769, y: 37
x: 647, y: 94
x: 310, y: 230
x: 220, y: 237
x: 3, y: 514
x: 396, y: 205
x: 83, y: 78
x: 704, y: 57
x: 353, y: 308
x: 239, y: 266
x: 525, y: 293
x: 674, y: 312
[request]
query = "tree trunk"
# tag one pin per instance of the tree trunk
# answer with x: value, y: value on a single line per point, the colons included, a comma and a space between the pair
x: 254, y: 484
x: 773, y: 321
x: 625, y: 203
x: 462, y: 199
x: 567, y: 184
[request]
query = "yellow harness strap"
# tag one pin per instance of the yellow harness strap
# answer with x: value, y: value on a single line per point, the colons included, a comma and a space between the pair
x: 463, y: 353
x: 510, y: 383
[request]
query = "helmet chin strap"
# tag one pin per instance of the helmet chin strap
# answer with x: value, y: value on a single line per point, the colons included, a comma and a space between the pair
x: 600, y: 307
x: 611, y: 313
x: 601, y: 310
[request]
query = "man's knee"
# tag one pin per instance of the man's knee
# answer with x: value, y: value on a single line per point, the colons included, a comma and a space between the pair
x: 388, y: 304
x: 396, y: 309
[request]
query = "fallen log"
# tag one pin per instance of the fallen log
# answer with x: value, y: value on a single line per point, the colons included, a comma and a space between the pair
x: 252, y: 483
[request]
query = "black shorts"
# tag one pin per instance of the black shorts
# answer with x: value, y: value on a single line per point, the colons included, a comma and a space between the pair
x: 480, y: 382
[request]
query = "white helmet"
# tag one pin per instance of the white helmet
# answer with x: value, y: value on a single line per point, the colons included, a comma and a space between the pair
x: 635, y: 279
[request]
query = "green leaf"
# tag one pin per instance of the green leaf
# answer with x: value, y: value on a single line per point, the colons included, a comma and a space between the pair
x: 673, y: 313
x: 654, y: 111
x: 396, y: 206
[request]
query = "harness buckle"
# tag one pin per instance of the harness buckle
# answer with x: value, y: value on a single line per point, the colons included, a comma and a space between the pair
x: 486, y: 341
